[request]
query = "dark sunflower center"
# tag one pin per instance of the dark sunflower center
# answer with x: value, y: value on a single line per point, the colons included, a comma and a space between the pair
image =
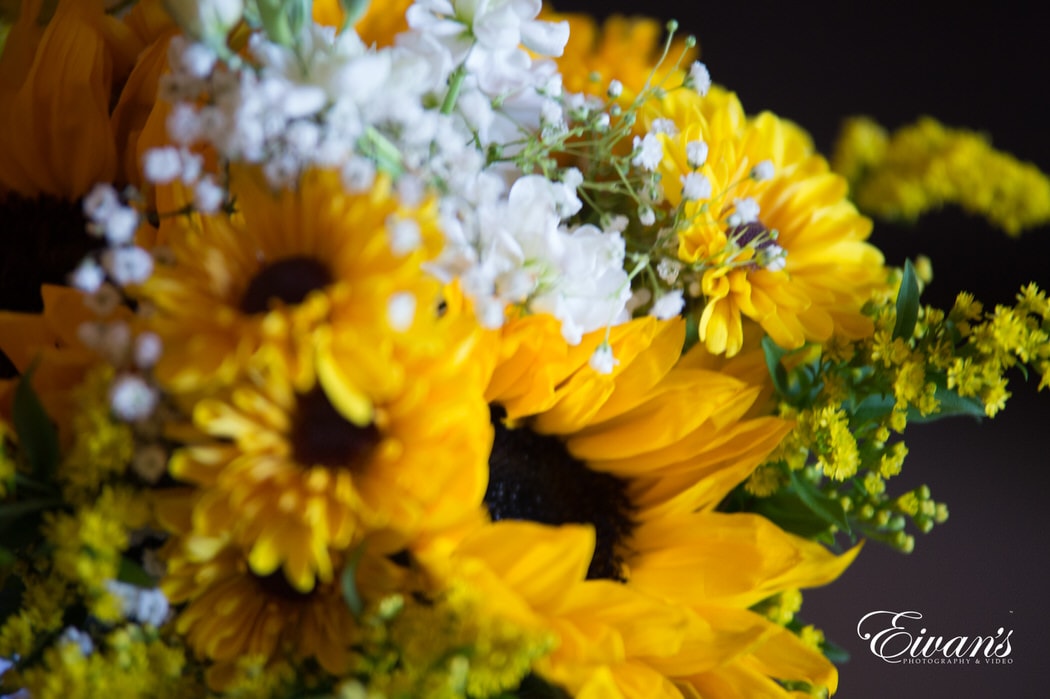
x: 289, y: 280
x: 533, y: 477
x: 42, y: 240
x: 322, y: 436
x: 276, y: 585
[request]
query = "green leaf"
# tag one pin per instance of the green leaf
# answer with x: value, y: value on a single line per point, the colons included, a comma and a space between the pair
x: 834, y: 652
x: 828, y: 509
x: 797, y: 386
x: 907, y: 304
x: 774, y: 353
x: 132, y: 573
x: 7, y: 557
x: 787, y: 510
x: 871, y: 409
x: 951, y: 405
x: 353, y: 10
x: 11, y: 511
x: 37, y: 435
x: 348, y: 581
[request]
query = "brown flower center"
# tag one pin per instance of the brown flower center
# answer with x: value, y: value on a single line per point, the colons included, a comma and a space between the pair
x: 289, y: 280
x: 43, y: 241
x: 276, y: 585
x: 322, y: 436
x: 533, y: 477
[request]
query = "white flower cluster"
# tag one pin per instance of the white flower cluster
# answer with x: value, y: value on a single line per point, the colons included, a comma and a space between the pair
x: 144, y: 605
x: 460, y: 85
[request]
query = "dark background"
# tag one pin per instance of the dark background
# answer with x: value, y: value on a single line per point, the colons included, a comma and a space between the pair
x: 984, y: 69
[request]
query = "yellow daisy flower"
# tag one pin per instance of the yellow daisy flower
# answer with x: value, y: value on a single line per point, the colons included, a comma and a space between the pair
x: 286, y: 265
x: 232, y: 612
x: 638, y: 459
x: 291, y: 475
x: 801, y: 267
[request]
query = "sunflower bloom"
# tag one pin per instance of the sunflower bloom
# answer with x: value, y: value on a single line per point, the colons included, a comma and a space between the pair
x: 615, y: 463
x: 64, y: 66
x: 285, y: 266
x: 341, y: 402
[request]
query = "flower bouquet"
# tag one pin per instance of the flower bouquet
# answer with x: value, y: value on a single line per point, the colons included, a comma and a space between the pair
x: 452, y: 348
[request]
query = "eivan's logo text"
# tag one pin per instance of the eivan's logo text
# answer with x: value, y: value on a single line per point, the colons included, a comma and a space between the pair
x: 900, y: 637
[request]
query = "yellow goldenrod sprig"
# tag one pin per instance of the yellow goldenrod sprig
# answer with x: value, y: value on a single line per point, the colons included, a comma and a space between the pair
x: 925, y: 166
x: 829, y: 474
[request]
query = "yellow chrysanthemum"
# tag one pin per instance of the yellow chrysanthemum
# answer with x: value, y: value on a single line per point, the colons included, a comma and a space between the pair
x: 232, y: 613
x: 287, y: 265
x: 293, y: 475
x: 640, y: 458
x: 801, y: 269
x: 624, y: 49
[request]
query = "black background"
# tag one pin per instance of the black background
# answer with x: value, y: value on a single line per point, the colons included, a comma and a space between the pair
x: 985, y: 69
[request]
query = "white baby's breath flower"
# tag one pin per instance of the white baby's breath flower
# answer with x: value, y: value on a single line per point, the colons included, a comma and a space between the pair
x: 669, y: 305
x: 128, y: 265
x: 148, y: 348
x: 602, y: 360
x: 88, y: 276
x: 746, y: 210
x: 648, y: 152
x: 615, y: 89
x: 401, y: 311
x: 207, y: 195
x: 695, y: 187
x: 161, y: 165
x: 120, y: 225
x: 696, y: 153
x: 131, y: 398
x: 664, y: 126
x: 100, y: 202
x: 144, y: 605
x: 699, y: 78
x: 763, y: 171
x: 646, y: 215
x: 79, y: 638
x: 404, y: 235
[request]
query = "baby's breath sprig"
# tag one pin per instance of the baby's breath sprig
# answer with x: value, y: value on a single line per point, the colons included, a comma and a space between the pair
x: 848, y: 400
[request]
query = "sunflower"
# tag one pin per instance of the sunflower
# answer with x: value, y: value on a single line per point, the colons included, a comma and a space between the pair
x: 341, y: 401
x: 776, y: 241
x: 286, y: 265
x: 622, y: 469
x: 51, y: 342
x: 62, y: 70
x: 232, y: 612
